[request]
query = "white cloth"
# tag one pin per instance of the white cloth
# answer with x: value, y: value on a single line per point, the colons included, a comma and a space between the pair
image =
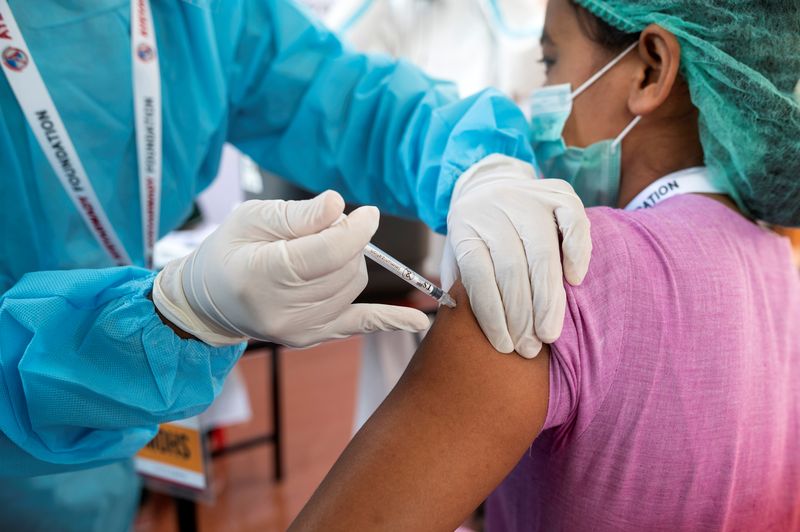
x: 384, y: 357
x: 457, y: 40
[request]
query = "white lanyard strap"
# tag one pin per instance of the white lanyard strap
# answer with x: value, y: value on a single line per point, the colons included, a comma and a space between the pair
x: 45, y: 121
x: 689, y: 181
x: 147, y: 105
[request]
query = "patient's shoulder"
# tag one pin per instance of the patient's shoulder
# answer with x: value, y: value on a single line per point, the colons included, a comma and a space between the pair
x: 613, y: 232
x: 646, y: 267
x: 621, y: 278
x: 649, y: 244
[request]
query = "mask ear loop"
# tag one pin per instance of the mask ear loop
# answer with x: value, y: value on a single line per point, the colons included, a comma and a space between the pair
x: 602, y: 72
x: 625, y: 132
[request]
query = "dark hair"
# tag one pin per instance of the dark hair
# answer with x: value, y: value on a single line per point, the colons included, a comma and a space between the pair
x: 603, y: 33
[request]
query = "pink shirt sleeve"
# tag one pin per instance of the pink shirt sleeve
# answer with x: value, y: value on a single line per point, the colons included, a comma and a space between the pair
x: 585, y: 359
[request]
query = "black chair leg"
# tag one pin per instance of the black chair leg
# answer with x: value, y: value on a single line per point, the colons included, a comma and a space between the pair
x: 187, y: 515
x: 276, y: 411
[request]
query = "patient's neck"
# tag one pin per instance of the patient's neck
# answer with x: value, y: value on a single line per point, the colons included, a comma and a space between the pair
x: 647, y: 164
x: 651, y: 153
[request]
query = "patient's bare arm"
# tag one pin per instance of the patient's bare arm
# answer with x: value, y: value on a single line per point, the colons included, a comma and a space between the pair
x: 456, y: 424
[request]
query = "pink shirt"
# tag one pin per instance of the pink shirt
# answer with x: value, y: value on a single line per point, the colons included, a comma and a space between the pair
x: 675, y: 388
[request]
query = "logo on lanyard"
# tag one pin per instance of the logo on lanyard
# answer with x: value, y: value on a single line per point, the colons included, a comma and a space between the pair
x: 15, y: 59
x: 145, y: 53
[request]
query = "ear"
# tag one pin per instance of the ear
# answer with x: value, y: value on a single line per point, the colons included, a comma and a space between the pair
x: 660, y: 53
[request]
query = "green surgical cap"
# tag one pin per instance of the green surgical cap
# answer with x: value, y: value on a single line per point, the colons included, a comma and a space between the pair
x: 741, y: 60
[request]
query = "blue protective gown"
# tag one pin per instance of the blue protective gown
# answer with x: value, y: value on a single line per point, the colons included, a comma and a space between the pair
x: 87, y: 368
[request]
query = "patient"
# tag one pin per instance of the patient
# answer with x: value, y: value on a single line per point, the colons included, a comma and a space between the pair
x: 672, y: 399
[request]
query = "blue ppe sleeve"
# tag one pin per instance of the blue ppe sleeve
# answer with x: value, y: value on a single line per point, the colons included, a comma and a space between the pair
x: 88, y: 370
x: 103, y: 499
x: 377, y: 130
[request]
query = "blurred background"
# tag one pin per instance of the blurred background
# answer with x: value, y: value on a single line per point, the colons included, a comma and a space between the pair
x: 286, y: 415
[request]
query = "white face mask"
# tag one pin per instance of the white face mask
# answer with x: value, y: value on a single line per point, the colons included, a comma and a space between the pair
x: 594, y: 171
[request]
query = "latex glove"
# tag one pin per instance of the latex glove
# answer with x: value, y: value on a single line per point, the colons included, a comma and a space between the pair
x: 281, y: 271
x: 504, y: 225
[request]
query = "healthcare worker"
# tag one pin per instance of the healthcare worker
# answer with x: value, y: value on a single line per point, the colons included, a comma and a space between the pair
x: 113, y: 119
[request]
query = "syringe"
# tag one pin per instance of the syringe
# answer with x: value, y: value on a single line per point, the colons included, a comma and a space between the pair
x: 408, y: 275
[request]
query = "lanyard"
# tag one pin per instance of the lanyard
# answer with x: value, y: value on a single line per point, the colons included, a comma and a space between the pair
x: 48, y: 128
x: 690, y: 181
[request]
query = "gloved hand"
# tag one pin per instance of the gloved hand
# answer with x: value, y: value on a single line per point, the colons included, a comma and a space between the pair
x: 504, y: 225
x: 282, y: 271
